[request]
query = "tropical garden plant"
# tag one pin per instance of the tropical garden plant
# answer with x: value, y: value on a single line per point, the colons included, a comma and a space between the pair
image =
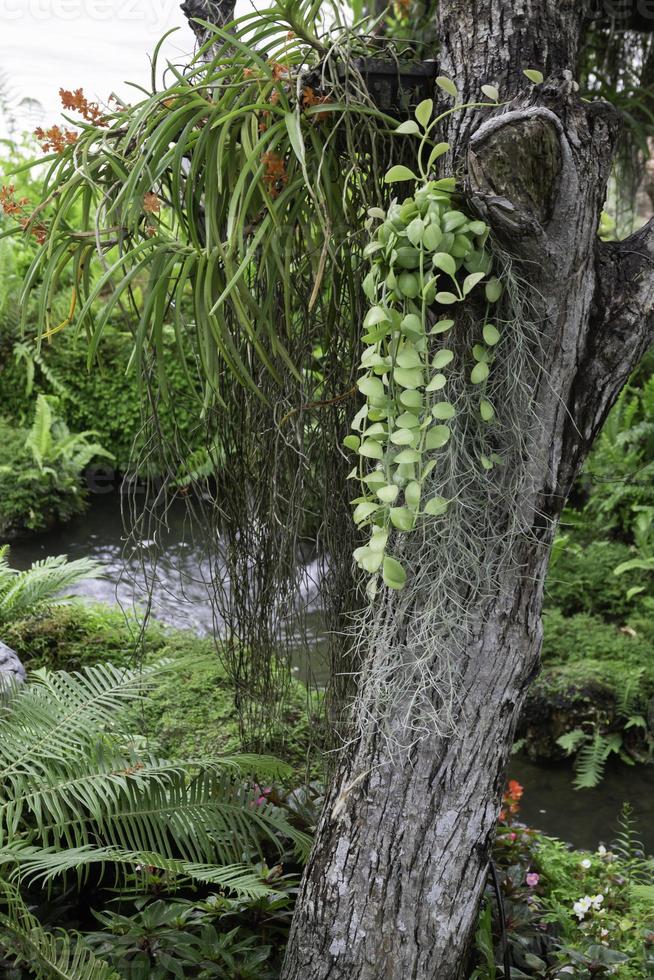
x: 244, y: 183
x: 83, y: 798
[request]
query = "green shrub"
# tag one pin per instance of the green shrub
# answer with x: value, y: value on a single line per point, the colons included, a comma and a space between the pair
x: 582, y: 580
x: 41, y: 470
x: 571, y: 639
x: 189, y: 711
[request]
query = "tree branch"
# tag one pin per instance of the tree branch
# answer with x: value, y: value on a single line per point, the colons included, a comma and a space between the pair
x: 620, y: 330
x: 219, y: 12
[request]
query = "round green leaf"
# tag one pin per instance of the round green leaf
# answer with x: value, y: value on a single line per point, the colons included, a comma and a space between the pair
x: 447, y: 85
x: 442, y: 326
x: 437, y: 506
x: 363, y: 511
x: 443, y: 411
x: 534, y: 75
x: 491, y: 334
x: 493, y: 290
x: 371, y: 449
x: 402, y: 518
x: 376, y: 315
x: 412, y: 324
x: 479, y: 373
x: 437, y: 383
x: 388, y: 494
x: 407, y: 456
x: 471, y: 281
x: 411, y: 399
x: 424, y: 111
x: 442, y: 358
x: 408, y: 377
x: 371, y: 387
x: 491, y: 92
x: 408, y: 128
x: 415, y: 231
x: 437, y: 437
x: 412, y: 494
x: 442, y: 260
x: 393, y: 574
x: 352, y: 442
x: 368, y: 559
x: 486, y: 410
x: 404, y: 437
x: 398, y: 172
x: 446, y: 299
x: 431, y: 237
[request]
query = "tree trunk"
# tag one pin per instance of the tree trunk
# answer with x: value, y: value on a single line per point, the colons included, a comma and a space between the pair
x: 393, y: 885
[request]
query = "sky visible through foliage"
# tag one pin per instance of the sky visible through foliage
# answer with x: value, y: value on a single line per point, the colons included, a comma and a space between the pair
x: 99, y: 45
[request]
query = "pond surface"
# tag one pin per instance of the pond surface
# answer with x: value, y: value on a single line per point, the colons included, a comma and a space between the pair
x: 180, y: 597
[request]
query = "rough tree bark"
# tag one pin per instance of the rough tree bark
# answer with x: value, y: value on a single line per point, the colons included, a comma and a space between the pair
x: 393, y: 885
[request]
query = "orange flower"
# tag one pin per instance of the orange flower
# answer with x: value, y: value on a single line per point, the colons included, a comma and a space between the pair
x: 55, y: 139
x: 151, y: 204
x: 77, y: 102
x: 274, y: 176
x: 18, y: 209
x: 309, y: 98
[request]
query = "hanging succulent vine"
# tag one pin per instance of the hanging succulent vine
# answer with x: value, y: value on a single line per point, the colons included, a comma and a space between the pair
x: 427, y: 256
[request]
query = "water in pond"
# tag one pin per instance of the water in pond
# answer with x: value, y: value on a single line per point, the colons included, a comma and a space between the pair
x: 180, y: 598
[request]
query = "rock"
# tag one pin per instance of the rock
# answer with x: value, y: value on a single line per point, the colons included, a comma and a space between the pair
x: 10, y: 664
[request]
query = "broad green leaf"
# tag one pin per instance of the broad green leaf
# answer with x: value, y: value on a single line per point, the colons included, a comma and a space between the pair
x: 411, y: 399
x: 408, y: 420
x: 437, y: 437
x: 445, y: 262
x: 471, y: 281
x: 436, y: 153
x: 402, y: 518
x: 454, y: 220
x: 437, y: 506
x: 371, y: 449
x: 447, y: 299
x: 407, y: 456
x: 534, y: 75
x: 368, y: 559
x: 491, y: 92
x: 376, y: 315
x: 493, y: 290
x: 363, y: 511
x: 378, y: 541
x: 408, y: 377
x: 404, y: 437
x: 412, y: 324
x: 397, y: 173
x: 371, y: 387
x: 442, y: 326
x: 437, y: 383
x: 352, y: 442
x: 447, y: 85
x: 486, y: 410
x: 394, y: 574
x: 424, y: 112
x: 431, y: 237
x: 408, y: 128
x: 443, y: 411
x: 415, y: 231
x: 442, y: 358
x: 408, y: 357
x: 491, y: 334
x: 388, y: 494
x: 479, y: 373
x: 412, y: 494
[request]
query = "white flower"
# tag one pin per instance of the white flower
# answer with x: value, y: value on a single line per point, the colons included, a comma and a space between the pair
x: 586, y: 863
x: 602, y: 851
x: 596, y: 901
x: 581, y: 906
x: 604, y: 933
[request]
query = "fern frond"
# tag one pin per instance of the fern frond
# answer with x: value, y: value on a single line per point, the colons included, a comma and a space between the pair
x: 48, y: 955
x: 24, y: 593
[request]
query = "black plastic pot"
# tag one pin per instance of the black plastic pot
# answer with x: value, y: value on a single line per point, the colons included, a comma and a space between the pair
x: 397, y: 87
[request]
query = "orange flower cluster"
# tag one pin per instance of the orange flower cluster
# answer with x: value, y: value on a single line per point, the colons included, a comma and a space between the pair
x: 310, y: 98
x: 402, y: 8
x: 274, y: 176
x: 151, y: 204
x: 77, y: 102
x: 18, y: 209
x: 511, y: 799
x: 55, y: 139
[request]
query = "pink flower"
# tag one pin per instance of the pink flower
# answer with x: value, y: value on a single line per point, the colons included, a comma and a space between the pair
x: 264, y: 791
x: 532, y: 879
